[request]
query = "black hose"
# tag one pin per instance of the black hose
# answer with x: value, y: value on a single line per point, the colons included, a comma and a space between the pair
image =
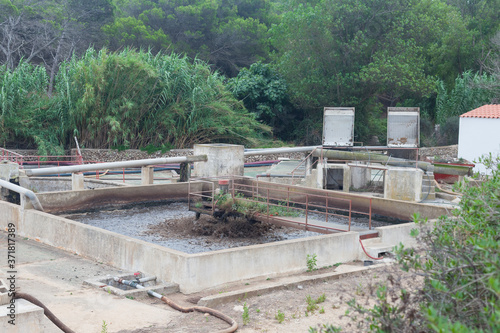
x: 203, y: 309
x: 46, y: 312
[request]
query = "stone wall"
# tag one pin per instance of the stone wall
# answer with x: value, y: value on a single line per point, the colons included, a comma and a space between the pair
x: 113, y: 155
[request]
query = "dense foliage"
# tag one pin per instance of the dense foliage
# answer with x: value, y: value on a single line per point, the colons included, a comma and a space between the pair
x: 265, y: 93
x: 129, y: 99
x: 459, y: 260
x: 284, y: 59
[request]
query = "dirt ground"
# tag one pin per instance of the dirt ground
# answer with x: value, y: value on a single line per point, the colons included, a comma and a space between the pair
x: 291, y: 302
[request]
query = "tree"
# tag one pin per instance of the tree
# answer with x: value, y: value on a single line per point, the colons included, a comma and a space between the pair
x: 367, y: 54
x: 469, y: 92
x: 135, y: 99
x: 24, y: 32
x: 229, y: 34
x: 265, y: 93
x: 48, y: 31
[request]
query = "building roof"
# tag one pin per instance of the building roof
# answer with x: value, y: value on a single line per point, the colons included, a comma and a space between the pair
x: 485, y: 111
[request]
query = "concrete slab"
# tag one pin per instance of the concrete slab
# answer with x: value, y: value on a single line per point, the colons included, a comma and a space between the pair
x: 28, y: 318
x: 55, y: 278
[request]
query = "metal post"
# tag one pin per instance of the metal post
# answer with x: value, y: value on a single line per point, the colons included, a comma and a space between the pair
x: 267, y: 205
x: 350, y: 210
x: 370, y: 217
x: 288, y: 197
x: 232, y: 187
x: 189, y: 195
x: 123, y: 174
x: 213, y: 198
x: 307, y: 208
x: 326, y: 205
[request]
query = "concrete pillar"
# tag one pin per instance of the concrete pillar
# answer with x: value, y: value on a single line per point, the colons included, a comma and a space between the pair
x: 320, y: 175
x: 308, y: 165
x: 147, y: 175
x: 326, y: 173
x: 403, y: 184
x: 77, y: 181
x: 28, y: 318
x: 9, y: 171
x: 185, y: 172
x: 223, y: 160
x: 360, y: 177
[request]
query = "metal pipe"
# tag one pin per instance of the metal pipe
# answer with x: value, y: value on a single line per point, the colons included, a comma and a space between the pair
x: 115, y: 165
x: 278, y: 176
x: 279, y: 150
x: 380, y: 158
x: 146, y: 279
x: 21, y: 190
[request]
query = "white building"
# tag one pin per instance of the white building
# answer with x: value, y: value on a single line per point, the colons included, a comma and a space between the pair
x: 479, y: 134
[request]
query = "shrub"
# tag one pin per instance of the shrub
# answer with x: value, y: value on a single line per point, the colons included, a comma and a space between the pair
x: 460, y: 265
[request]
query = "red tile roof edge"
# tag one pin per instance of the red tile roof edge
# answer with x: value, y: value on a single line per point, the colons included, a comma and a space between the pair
x: 486, y: 111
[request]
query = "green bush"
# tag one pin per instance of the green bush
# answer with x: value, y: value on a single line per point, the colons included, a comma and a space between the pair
x: 460, y: 265
x: 131, y: 99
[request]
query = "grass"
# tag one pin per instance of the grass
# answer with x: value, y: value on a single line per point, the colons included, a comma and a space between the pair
x: 246, y: 314
x: 312, y: 304
x: 104, y: 327
x: 280, y: 316
x: 250, y: 207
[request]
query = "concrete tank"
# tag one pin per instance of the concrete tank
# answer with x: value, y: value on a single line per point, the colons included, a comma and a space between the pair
x: 223, y: 160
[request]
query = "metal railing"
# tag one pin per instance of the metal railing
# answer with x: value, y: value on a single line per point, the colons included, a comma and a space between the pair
x: 311, y: 209
x: 7, y: 155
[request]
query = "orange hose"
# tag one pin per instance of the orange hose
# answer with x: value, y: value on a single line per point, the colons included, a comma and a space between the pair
x: 369, y: 256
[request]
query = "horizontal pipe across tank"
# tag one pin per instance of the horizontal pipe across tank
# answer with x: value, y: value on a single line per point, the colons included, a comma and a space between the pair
x: 267, y: 175
x: 21, y: 190
x: 380, y: 158
x: 115, y: 165
x: 269, y: 151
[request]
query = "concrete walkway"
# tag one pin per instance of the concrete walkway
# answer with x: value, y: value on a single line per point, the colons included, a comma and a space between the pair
x: 55, y: 278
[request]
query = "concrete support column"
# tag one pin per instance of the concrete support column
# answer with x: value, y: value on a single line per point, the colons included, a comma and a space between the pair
x: 77, y: 181
x: 403, y: 184
x: 347, y: 179
x: 147, y: 175
x: 223, y: 160
x: 320, y: 175
x: 360, y: 177
x: 28, y: 318
x: 334, y: 174
x: 185, y: 172
x: 309, y: 165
